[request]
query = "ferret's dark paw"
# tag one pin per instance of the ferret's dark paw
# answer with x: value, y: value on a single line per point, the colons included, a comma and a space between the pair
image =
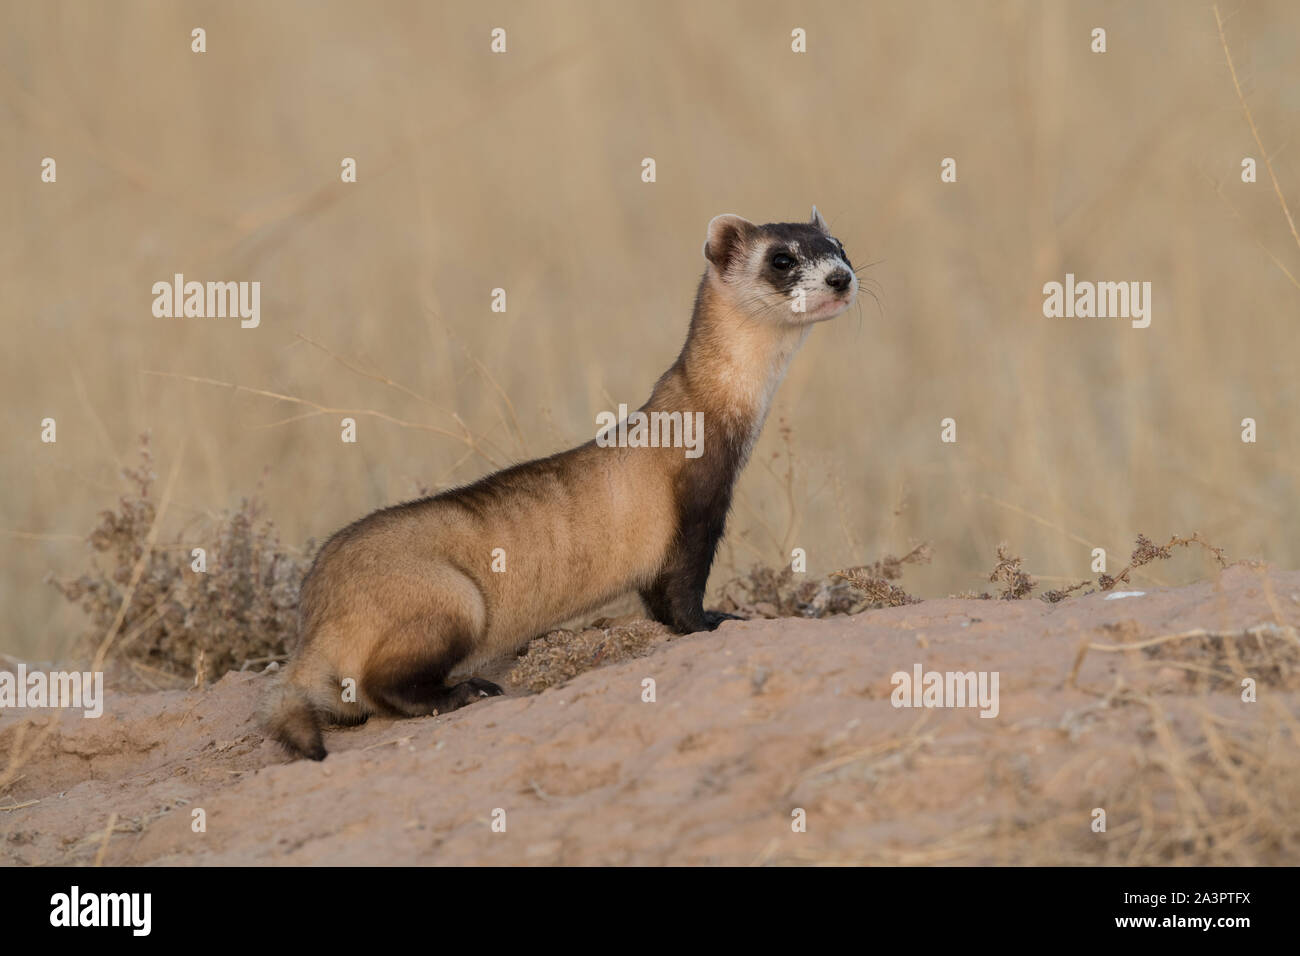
x: 466, y: 692
x: 713, y: 618
x: 485, y: 688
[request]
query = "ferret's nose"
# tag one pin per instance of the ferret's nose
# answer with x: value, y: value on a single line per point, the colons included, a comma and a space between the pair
x: 838, y: 280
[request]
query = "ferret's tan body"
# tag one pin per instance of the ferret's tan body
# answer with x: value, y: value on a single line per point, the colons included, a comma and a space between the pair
x: 402, y: 598
x: 590, y: 527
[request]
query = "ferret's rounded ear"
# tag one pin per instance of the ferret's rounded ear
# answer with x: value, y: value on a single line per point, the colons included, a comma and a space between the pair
x: 819, y: 222
x: 726, y: 234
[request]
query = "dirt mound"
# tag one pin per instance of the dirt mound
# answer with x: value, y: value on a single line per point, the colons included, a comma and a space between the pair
x: 1131, y: 705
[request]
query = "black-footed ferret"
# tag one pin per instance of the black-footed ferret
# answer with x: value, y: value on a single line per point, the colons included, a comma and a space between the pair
x: 398, y: 599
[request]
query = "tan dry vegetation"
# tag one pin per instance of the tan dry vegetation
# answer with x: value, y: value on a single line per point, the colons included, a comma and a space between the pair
x: 146, y: 604
x: 521, y: 171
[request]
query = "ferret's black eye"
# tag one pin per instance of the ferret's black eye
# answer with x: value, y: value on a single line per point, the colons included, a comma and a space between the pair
x: 782, y: 261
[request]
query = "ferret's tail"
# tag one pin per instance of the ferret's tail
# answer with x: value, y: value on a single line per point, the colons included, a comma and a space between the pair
x: 291, y: 717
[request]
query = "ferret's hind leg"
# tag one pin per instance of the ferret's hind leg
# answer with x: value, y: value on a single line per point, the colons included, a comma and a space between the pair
x: 415, y: 684
x: 428, y: 623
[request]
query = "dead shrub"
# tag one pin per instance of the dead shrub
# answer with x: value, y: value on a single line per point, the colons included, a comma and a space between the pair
x: 242, y: 609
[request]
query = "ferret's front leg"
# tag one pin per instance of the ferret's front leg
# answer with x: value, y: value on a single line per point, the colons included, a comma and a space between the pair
x: 676, y: 597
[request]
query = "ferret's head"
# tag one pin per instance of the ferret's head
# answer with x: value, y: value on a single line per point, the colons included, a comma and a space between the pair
x: 789, y: 272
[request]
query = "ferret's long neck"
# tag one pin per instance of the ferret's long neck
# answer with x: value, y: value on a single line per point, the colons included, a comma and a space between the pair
x: 731, y: 365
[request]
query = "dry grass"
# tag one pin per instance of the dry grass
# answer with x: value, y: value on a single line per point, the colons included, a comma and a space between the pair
x: 1147, y: 551
x: 765, y: 592
x: 528, y: 179
x: 1016, y: 583
x: 876, y: 580
x: 1269, y: 652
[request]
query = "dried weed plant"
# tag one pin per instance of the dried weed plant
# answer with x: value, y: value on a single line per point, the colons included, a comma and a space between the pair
x: 241, y: 610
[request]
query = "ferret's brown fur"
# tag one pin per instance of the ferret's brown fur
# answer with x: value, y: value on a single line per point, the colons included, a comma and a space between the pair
x: 398, y: 599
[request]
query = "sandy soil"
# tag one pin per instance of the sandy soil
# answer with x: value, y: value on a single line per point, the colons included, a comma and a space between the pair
x: 750, y: 723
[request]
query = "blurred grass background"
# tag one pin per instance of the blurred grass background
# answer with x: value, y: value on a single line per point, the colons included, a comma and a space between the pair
x: 523, y: 171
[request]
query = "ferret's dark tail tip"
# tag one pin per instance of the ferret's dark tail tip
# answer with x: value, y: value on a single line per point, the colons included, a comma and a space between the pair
x: 298, y: 730
x: 299, y: 749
